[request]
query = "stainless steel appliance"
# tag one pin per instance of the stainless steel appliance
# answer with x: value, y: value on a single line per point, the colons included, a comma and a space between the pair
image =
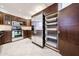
x: 38, y: 30
x: 16, y: 30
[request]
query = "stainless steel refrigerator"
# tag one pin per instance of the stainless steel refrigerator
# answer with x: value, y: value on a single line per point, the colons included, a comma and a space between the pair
x: 38, y: 30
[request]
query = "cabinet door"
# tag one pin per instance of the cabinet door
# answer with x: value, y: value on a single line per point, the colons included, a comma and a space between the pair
x: 1, y: 18
x: 69, y: 30
x: 7, y: 37
x: 0, y: 41
x: 37, y: 37
x: 24, y: 33
x: 51, y: 9
x: 7, y: 19
x: 29, y: 34
x: 28, y: 22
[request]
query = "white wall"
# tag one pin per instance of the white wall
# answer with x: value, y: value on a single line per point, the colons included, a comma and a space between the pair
x: 63, y: 5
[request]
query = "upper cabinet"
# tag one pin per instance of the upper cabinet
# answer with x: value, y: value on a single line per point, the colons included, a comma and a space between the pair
x: 28, y: 22
x: 26, y: 25
x: 51, y: 9
x: 7, y: 19
x: 1, y: 18
x: 20, y: 20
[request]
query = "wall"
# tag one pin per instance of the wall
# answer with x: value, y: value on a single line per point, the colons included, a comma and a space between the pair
x: 63, y: 5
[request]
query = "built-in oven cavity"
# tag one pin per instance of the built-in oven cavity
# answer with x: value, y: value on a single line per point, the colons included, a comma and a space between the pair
x: 16, y: 29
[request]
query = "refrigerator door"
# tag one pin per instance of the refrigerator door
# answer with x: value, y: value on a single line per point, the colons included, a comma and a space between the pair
x: 37, y: 36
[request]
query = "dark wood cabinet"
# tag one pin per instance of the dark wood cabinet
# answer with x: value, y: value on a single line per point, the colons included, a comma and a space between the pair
x: 21, y: 21
x: 51, y: 9
x: 68, y: 22
x: 24, y: 34
x: 1, y: 18
x: 28, y: 22
x: 7, y: 37
x: 7, y: 19
x: 0, y: 40
x: 27, y: 33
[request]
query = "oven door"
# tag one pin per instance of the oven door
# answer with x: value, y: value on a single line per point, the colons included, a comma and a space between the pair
x: 16, y: 33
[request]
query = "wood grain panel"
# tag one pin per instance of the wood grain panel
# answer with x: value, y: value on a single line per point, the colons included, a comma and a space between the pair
x: 51, y: 9
x: 28, y: 23
x: 1, y: 18
x: 7, y: 37
x: 27, y: 33
x: 68, y: 22
x: 0, y: 39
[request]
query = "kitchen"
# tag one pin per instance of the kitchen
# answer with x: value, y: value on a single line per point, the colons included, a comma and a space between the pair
x: 51, y: 26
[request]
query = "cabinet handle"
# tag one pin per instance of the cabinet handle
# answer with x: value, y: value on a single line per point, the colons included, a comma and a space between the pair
x: 58, y: 32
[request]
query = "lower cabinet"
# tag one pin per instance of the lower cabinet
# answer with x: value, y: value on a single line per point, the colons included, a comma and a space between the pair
x: 68, y: 49
x: 0, y: 41
x: 6, y: 38
x: 27, y: 33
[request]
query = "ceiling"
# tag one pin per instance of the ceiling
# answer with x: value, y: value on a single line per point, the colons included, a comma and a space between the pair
x: 25, y: 10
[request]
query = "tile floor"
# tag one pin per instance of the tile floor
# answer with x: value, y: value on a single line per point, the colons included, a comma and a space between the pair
x: 25, y: 48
